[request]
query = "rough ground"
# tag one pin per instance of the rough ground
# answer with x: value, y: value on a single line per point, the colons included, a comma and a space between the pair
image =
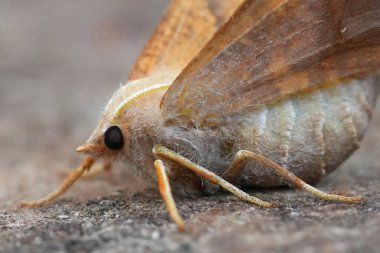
x: 59, y: 63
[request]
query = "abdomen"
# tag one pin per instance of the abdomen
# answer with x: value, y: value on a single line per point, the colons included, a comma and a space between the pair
x: 309, y: 134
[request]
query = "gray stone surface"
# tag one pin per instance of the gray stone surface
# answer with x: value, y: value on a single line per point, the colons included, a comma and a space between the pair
x: 60, y: 61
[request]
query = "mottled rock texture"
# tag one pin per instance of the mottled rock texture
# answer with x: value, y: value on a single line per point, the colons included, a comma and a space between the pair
x: 60, y: 61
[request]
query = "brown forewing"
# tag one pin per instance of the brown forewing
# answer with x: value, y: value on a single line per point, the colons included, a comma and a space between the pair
x: 271, y: 49
x: 181, y: 34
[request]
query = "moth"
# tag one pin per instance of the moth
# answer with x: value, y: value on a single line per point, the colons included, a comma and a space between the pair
x: 238, y: 94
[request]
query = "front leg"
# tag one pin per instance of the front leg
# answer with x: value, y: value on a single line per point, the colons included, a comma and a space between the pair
x: 243, y: 156
x: 166, y: 193
x: 69, y: 181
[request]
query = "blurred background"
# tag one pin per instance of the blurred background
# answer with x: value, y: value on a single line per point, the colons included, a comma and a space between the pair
x: 60, y: 62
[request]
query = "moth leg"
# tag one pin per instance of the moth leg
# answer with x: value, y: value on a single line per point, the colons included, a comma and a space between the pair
x: 242, y: 156
x: 166, y: 193
x: 96, y: 170
x: 69, y: 181
x: 162, y: 151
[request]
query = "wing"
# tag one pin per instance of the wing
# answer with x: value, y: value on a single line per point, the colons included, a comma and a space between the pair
x: 181, y: 34
x: 271, y: 49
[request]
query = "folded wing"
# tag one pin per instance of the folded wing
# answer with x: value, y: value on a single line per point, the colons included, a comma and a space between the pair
x: 181, y: 34
x: 272, y: 49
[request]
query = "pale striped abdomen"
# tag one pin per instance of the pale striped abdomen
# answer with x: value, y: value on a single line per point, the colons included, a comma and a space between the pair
x: 310, y: 134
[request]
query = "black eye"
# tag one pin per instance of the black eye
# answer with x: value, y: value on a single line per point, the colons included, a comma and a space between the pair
x: 113, y: 138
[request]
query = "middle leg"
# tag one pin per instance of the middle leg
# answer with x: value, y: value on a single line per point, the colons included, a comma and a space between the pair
x: 163, y: 152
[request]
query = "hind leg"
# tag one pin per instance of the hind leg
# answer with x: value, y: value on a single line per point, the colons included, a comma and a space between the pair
x: 243, y: 156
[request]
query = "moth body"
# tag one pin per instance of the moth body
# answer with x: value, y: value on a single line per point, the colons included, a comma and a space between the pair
x: 310, y: 134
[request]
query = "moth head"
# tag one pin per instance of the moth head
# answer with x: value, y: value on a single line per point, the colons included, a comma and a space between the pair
x: 110, y: 137
x: 122, y: 116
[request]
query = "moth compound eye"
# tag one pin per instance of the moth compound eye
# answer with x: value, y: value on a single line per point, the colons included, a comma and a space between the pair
x: 113, y: 138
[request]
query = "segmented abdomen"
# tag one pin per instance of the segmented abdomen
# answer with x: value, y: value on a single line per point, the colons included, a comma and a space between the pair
x: 310, y: 134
